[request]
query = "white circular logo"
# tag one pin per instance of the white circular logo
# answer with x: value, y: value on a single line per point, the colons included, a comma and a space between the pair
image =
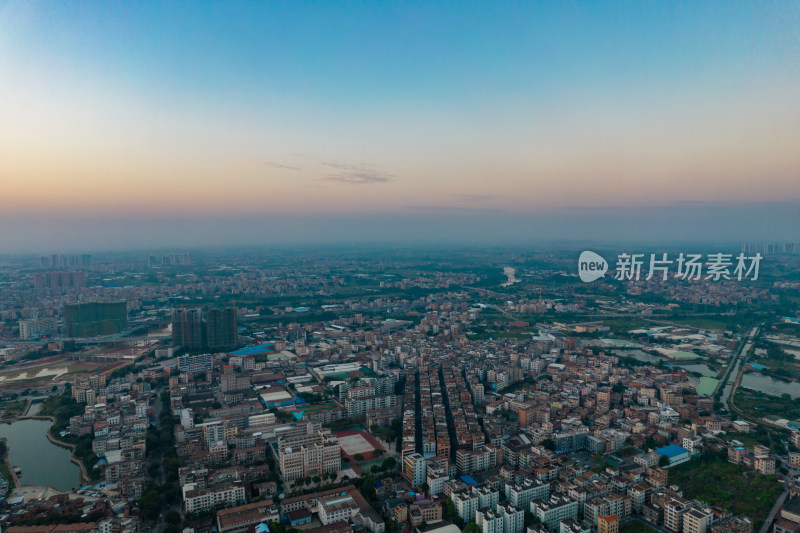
x: 591, y: 266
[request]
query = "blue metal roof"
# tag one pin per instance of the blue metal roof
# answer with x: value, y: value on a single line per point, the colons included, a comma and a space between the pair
x: 672, y: 450
x: 252, y: 350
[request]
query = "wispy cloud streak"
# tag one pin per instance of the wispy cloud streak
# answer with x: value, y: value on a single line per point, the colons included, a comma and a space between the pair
x: 273, y: 164
x: 355, y: 174
x: 358, y: 178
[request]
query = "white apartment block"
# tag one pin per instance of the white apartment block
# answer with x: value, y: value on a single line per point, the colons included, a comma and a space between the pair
x: 436, y: 479
x: 521, y: 494
x: 553, y: 511
x: 196, y: 500
x: 466, y: 504
x: 336, y: 509
x: 570, y: 525
x: 36, y: 327
x: 359, y: 406
x: 697, y: 520
x: 415, y: 469
x: 308, y: 455
x: 489, y: 521
x: 513, y: 518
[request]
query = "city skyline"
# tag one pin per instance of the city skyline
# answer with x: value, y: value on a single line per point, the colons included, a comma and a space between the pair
x: 156, y: 124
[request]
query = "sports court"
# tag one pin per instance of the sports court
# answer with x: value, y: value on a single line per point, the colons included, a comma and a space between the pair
x: 357, y: 442
x: 353, y: 444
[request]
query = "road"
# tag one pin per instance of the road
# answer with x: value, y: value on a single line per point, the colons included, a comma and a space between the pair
x: 159, y: 525
x: 775, y: 508
x: 735, y: 368
x: 731, y: 384
x: 157, y: 414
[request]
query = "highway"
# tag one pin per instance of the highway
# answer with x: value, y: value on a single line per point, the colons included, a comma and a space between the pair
x: 735, y: 368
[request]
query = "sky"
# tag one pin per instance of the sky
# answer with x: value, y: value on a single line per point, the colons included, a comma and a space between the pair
x: 135, y: 124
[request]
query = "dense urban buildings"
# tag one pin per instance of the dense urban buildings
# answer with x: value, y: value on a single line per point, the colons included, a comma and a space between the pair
x: 412, y: 401
x: 399, y: 267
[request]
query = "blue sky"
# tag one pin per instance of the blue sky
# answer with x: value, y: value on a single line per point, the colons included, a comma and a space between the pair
x: 376, y: 109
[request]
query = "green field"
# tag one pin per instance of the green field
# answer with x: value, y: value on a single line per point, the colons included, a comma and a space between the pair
x: 750, y: 440
x: 13, y: 409
x: 758, y: 404
x: 707, y: 385
x: 712, y: 479
x: 705, y: 323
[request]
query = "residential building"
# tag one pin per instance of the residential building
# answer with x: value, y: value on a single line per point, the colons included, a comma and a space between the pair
x: 697, y: 520
x: 187, y: 328
x: 608, y: 524
x: 428, y: 511
x: 93, y: 319
x: 674, y: 509
x: 193, y: 364
x: 336, y: 508
x: 308, y: 455
x: 199, y: 499
x: 414, y: 469
x: 571, y: 525
x: 521, y: 494
x: 35, y: 328
x: 239, y: 519
x: 553, y: 510
x: 221, y: 327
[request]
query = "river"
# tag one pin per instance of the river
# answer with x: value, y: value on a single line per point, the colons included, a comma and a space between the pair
x: 767, y: 385
x: 510, y: 273
x: 645, y: 357
x: 42, y: 462
x: 33, y: 373
x: 700, y: 368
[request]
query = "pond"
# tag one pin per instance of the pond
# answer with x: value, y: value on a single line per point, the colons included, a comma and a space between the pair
x: 700, y: 368
x: 42, y: 462
x: 639, y: 355
x: 761, y: 383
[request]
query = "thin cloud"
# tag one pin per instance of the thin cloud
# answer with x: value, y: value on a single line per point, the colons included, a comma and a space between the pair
x: 273, y: 164
x: 355, y: 174
x: 345, y: 166
x: 358, y: 177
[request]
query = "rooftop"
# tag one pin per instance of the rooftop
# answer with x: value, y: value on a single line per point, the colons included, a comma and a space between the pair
x: 672, y: 450
x: 253, y: 350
